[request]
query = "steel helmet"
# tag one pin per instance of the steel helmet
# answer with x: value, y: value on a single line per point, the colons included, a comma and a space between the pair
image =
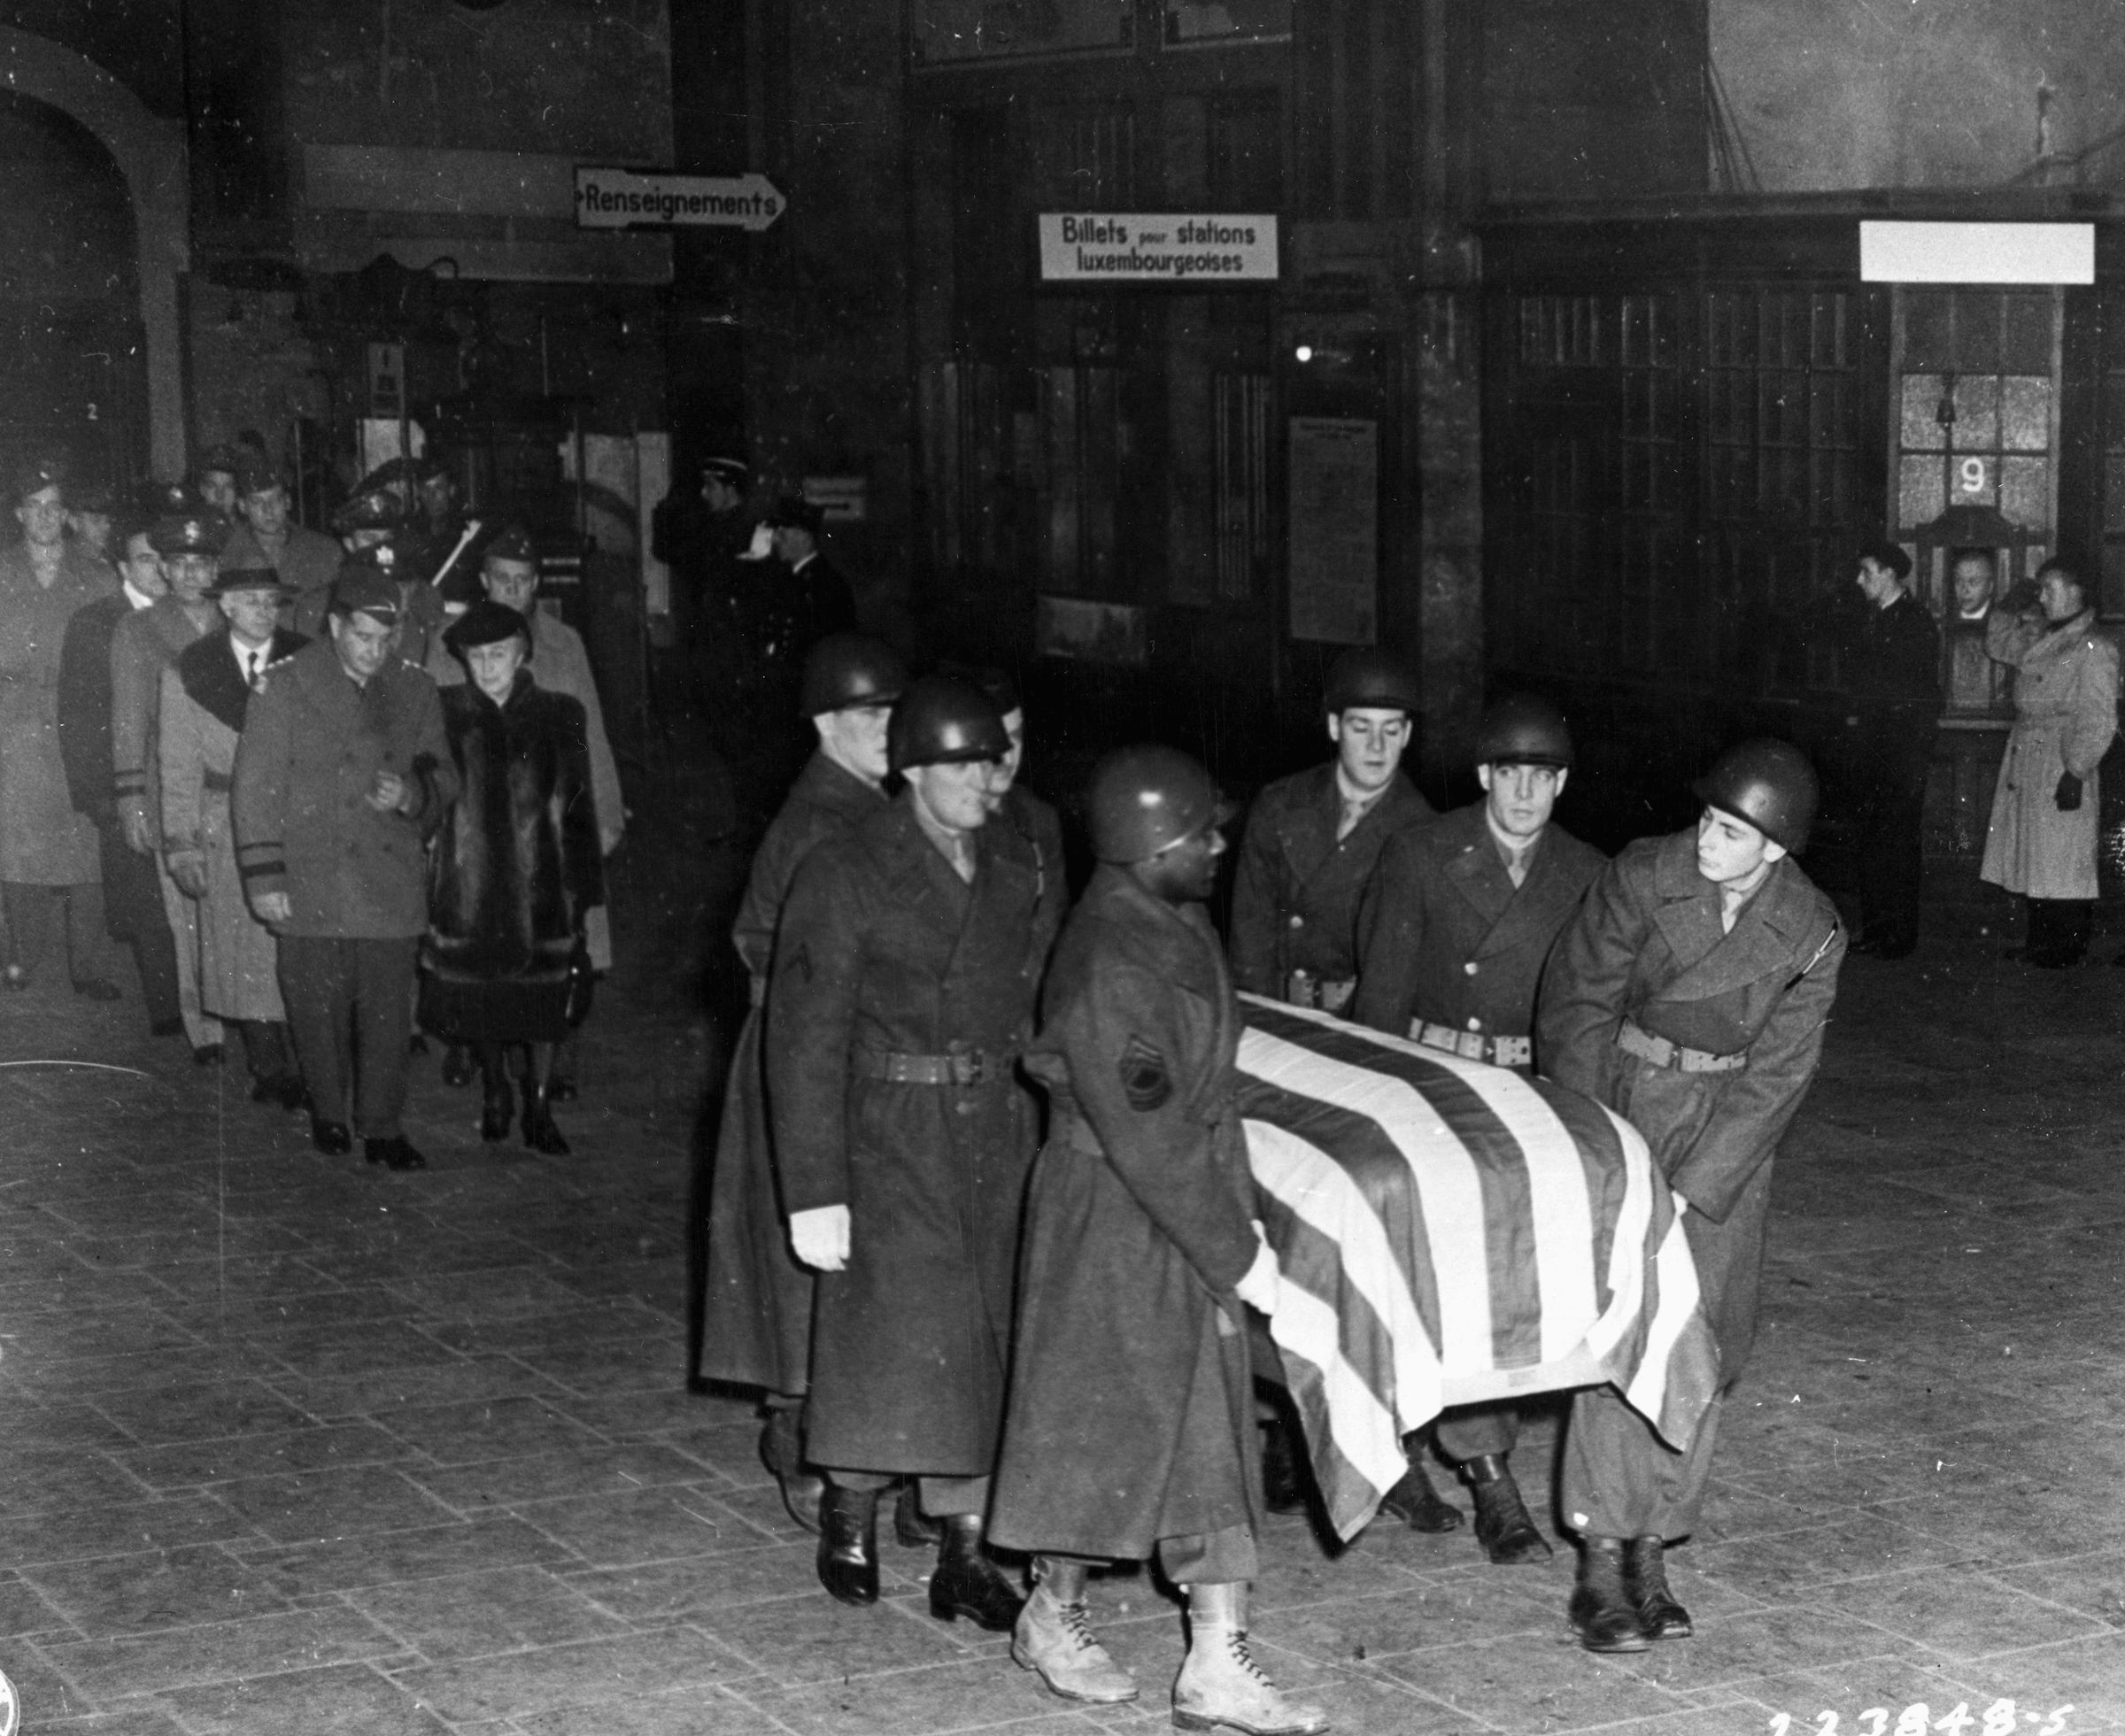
x: 1146, y: 799
x: 942, y: 721
x: 1522, y: 729
x: 849, y: 669
x: 1767, y: 782
x: 1365, y: 675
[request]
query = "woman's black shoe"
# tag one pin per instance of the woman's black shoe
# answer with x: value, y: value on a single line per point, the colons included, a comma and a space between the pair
x: 539, y: 1132
x: 848, y: 1544
x: 331, y: 1138
x: 968, y: 1583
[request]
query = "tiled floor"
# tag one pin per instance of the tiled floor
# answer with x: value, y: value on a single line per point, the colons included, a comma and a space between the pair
x: 288, y: 1446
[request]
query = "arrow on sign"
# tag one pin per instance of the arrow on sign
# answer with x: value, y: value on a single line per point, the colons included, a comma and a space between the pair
x: 650, y: 199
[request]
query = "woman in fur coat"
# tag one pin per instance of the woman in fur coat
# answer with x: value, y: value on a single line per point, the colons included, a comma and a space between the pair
x: 515, y: 869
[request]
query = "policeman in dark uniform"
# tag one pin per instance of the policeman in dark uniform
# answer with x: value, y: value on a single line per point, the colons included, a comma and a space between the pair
x: 1892, y: 669
x: 905, y: 974
x: 1456, y: 928
x: 1688, y: 995
x: 1313, y: 839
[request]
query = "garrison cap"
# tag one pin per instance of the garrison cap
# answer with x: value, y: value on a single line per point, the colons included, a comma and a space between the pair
x: 513, y: 542
x: 258, y: 473
x: 47, y: 470
x: 224, y: 457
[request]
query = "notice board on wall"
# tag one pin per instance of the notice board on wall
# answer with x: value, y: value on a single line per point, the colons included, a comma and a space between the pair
x: 1334, y: 529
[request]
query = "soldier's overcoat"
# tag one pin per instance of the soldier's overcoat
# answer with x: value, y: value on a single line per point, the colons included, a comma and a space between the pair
x: 885, y: 951
x: 142, y: 645
x: 1132, y: 1407
x: 1648, y: 945
x: 1296, y: 898
x: 314, y: 741
x: 2066, y: 712
x: 43, y: 842
x: 756, y: 1328
x: 203, y: 702
x: 1446, y: 937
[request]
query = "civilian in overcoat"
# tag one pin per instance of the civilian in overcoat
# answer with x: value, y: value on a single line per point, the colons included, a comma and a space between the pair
x: 1131, y: 1430
x: 906, y: 970
x: 2047, y: 802
x: 206, y: 698
x: 133, y: 906
x: 341, y: 776
x: 1690, y: 996
x: 48, y: 853
x: 756, y: 1322
x: 1314, y: 839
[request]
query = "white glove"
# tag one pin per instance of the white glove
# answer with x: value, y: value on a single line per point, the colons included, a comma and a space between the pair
x: 1261, y: 1287
x: 820, y: 1238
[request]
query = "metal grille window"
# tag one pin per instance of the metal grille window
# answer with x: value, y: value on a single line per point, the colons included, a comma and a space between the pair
x: 1978, y: 403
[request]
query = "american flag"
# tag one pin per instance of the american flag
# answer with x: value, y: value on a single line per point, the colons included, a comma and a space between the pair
x: 1448, y: 1228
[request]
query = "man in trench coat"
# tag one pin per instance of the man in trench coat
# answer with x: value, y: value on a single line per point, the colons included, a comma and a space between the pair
x: 1455, y: 930
x: 1131, y: 1428
x: 49, y: 853
x: 905, y: 973
x: 1313, y: 839
x: 1689, y: 995
x: 756, y: 1323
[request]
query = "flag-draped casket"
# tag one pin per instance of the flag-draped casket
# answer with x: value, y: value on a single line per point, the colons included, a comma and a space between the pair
x: 1451, y: 1233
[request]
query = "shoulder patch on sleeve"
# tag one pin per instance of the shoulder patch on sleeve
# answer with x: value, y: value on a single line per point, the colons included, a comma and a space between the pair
x: 1144, y: 1080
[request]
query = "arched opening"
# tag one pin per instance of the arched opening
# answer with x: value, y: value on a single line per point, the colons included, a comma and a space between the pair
x: 73, y: 368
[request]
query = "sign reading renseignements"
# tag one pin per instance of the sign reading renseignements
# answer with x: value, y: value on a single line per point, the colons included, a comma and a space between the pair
x: 1157, y: 247
x: 638, y: 199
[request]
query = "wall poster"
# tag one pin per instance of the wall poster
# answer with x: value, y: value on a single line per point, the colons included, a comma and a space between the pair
x: 1334, y: 470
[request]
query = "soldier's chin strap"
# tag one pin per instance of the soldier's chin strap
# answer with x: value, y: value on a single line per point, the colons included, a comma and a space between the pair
x: 1820, y: 950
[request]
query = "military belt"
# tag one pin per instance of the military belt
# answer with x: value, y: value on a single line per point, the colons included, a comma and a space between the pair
x: 969, y: 1067
x: 220, y: 782
x: 1302, y: 988
x: 1474, y: 1046
x: 1634, y: 1038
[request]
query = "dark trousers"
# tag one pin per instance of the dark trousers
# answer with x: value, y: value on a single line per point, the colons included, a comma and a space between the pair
x: 349, y: 1007
x: 1474, y: 1432
x: 1620, y: 1479
x: 1892, y: 809
x: 266, y: 1049
x: 33, y: 913
x: 133, y: 913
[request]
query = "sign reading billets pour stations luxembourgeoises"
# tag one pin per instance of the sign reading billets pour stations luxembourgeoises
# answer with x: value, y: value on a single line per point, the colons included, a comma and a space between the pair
x: 646, y: 198
x: 1157, y: 247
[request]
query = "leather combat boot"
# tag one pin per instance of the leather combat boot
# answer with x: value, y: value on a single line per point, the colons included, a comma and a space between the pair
x: 1412, y: 1500
x: 848, y: 1544
x: 1283, y: 1482
x: 1646, y: 1575
x: 1601, y: 1611
x: 1219, y: 1681
x: 1054, y: 1637
x: 1502, y: 1527
x: 913, y: 1528
x: 782, y: 1453
x: 968, y: 1582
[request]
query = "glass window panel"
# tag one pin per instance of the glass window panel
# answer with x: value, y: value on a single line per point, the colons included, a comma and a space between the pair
x: 2113, y: 490
x: 1928, y: 332
x: 2025, y: 414
x: 1213, y: 20
x: 1973, y: 479
x: 2025, y: 335
x: 1920, y: 490
x: 2113, y: 579
x: 2025, y: 490
x: 1976, y: 414
x: 980, y: 30
x: 1977, y: 330
x: 1921, y: 398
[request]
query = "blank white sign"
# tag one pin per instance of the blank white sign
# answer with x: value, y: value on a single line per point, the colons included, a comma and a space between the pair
x: 1977, y: 253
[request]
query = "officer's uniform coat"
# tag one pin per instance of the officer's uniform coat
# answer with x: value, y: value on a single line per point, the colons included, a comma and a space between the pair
x: 312, y: 746
x: 757, y: 1313
x: 1448, y: 938
x: 1296, y: 899
x: 1132, y: 1410
x: 43, y: 841
x: 1041, y: 827
x: 884, y: 950
x: 2066, y: 712
x: 132, y: 895
x: 204, y: 703
x: 1647, y: 944
x: 142, y: 645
